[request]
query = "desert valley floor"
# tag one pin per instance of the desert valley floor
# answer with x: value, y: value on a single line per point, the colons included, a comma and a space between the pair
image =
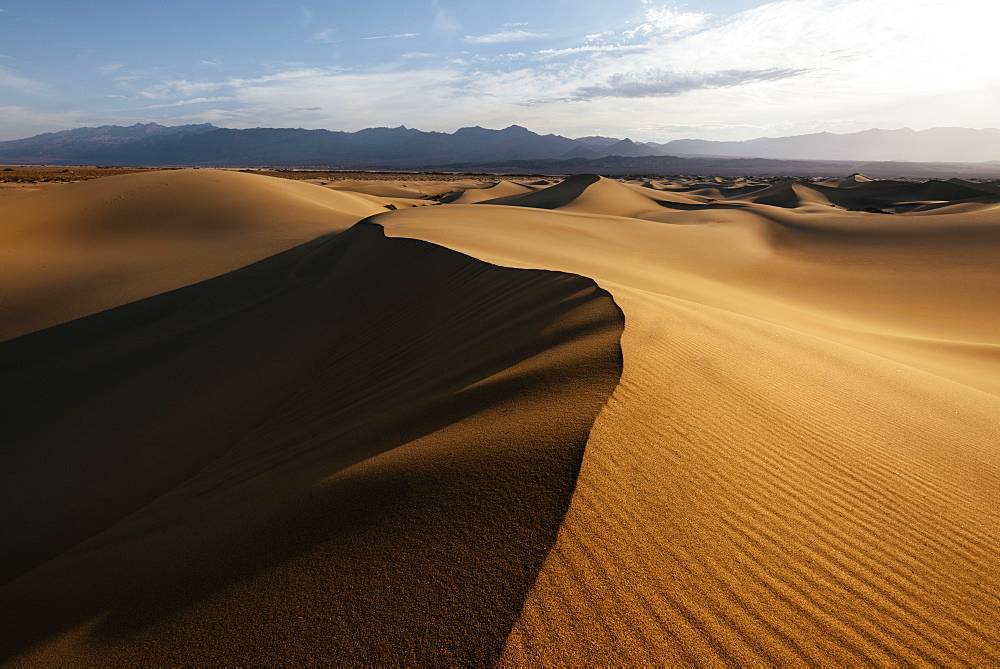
x: 541, y: 421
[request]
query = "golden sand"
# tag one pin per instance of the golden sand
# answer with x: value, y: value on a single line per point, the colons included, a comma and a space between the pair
x: 688, y: 421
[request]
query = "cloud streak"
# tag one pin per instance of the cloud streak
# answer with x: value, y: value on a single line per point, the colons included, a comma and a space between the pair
x: 323, y: 36
x: 504, y: 36
x: 12, y: 80
x: 664, y: 83
x: 400, y: 35
x: 591, y: 48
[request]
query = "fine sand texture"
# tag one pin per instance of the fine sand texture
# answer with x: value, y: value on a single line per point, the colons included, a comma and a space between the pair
x: 721, y: 422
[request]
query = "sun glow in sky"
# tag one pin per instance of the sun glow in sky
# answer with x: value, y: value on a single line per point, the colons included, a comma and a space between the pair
x: 647, y: 69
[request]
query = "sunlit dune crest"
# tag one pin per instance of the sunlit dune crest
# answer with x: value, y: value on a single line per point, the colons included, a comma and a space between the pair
x: 538, y: 421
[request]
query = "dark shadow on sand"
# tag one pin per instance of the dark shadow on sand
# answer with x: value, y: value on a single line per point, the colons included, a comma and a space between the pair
x: 356, y: 451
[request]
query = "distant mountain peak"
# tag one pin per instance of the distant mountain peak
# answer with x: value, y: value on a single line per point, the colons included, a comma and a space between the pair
x: 402, y: 147
x: 628, y: 148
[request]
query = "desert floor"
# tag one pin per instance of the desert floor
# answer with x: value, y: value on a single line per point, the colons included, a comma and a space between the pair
x: 443, y: 419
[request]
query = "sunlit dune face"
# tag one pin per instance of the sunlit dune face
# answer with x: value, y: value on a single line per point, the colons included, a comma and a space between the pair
x: 339, y: 418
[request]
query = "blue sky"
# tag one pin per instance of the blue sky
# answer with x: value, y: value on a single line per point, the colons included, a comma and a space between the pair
x: 647, y: 69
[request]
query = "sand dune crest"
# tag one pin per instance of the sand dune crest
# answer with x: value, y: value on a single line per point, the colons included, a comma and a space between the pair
x: 89, y: 246
x: 741, y: 422
x: 310, y: 438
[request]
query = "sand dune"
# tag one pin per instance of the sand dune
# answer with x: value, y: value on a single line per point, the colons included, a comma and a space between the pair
x: 731, y: 422
x: 493, y: 192
x: 325, y: 456
x: 787, y: 195
x: 589, y: 193
x: 782, y: 476
x: 84, y: 247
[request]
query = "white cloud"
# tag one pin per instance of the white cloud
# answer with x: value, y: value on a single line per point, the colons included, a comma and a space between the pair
x: 22, y: 122
x: 12, y: 80
x: 786, y: 66
x: 109, y: 68
x: 443, y: 20
x: 185, y: 88
x: 323, y: 36
x: 504, y: 36
x: 591, y: 48
x: 400, y: 35
x: 182, y: 103
x: 805, y: 62
x: 666, y: 21
x: 663, y: 83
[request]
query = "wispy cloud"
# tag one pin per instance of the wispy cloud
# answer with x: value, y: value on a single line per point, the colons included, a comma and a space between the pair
x: 109, y: 68
x: 663, y: 83
x: 324, y: 36
x: 591, y: 48
x: 504, y: 36
x: 444, y: 21
x: 10, y: 79
x: 400, y: 35
x: 785, y: 64
x: 22, y: 121
x: 182, y: 103
x: 185, y: 88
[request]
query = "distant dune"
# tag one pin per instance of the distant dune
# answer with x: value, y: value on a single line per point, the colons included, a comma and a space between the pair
x: 563, y: 422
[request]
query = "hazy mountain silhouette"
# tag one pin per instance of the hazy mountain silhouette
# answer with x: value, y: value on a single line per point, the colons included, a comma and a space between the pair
x: 408, y: 148
x: 59, y: 146
x: 207, y: 145
x: 933, y: 145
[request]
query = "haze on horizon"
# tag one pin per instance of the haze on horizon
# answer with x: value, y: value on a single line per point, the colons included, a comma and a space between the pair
x: 648, y: 69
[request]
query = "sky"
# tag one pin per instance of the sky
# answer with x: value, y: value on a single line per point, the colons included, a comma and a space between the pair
x: 651, y: 70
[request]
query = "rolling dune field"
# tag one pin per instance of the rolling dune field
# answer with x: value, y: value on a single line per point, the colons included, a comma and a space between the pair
x: 687, y: 421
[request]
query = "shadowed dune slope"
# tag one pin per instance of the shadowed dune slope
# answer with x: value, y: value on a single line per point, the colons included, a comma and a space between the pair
x: 368, y: 448
x: 553, y: 197
x: 89, y: 246
x: 502, y: 189
x: 898, y: 195
x: 357, y: 450
x: 853, y: 181
x: 594, y: 194
x: 788, y: 195
x: 800, y: 464
x: 377, y: 188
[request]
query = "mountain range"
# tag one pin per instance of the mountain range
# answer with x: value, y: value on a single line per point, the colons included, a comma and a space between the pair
x: 408, y: 148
